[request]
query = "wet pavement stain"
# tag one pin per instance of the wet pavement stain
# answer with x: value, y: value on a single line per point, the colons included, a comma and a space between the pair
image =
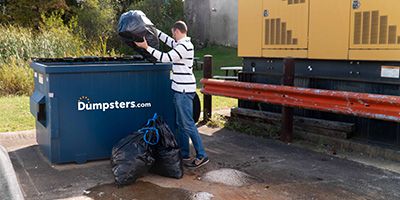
x: 138, y: 191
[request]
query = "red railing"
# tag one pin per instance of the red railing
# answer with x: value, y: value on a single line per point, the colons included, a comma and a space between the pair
x: 383, y: 107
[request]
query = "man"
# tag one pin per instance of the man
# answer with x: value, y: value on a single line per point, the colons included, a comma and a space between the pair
x: 184, y: 87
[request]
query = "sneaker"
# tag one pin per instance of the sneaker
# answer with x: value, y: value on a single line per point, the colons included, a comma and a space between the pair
x: 187, y: 161
x: 196, y: 163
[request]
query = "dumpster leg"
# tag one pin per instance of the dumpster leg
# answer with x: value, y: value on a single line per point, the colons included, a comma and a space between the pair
x: 207, y: 101
x: 287, y: 112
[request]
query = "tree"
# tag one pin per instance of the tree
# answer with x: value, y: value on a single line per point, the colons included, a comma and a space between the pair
x: 97, y: 18
x: 161, y: 12
x: 121, y: 6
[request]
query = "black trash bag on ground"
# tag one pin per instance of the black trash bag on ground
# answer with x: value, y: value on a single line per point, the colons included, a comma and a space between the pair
x: 131, y: 158
x: 166, y: 152
x: 133, y: 26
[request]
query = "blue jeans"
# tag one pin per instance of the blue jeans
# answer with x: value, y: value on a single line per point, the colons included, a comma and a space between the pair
x: 186, y: 126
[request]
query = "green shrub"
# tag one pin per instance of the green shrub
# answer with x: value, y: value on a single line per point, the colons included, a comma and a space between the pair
x: 16, y: 77
x: 57, y: 43
x: 18, y: 45
x: 15, y: 41
x: 56, y: 39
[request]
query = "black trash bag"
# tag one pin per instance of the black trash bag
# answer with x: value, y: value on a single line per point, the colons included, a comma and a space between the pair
x: 166, y: 152
x: 133, y: 26
x: 131, y: 158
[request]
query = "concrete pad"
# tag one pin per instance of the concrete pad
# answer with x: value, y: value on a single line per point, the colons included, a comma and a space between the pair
x: 281, y: 172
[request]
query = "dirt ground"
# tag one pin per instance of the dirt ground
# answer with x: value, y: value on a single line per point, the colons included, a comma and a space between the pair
x: 277, y: 171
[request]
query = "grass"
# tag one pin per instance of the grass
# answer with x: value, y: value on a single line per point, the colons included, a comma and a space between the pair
x: 14, y: 114
x: 219, y: 102
x: 222, y: 56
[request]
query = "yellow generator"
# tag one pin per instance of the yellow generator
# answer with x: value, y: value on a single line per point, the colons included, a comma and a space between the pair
x: 347, y: 45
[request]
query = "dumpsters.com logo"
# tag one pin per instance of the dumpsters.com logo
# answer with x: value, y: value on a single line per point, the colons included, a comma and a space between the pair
x: 84, y: 104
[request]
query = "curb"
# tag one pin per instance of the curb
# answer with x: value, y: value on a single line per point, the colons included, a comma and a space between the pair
x: 27, y: 134
x: 9, y: 186
x: 370, y: 150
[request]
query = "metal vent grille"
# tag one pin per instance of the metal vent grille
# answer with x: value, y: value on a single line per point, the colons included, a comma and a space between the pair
x: 374, y: 27
x: 288, y: 37
x: 272, y: 29
x: 357, y: 28
x: 276, y: 33
x: 291, y: 2
x: 392, y: 34
x: 267, y: 32
x: 370, y: 28
x: 366, y: 28
x: 283, y: 32
x: 383, y: 30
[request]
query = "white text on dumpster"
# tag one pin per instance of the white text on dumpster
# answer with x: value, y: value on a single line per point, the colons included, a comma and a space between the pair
x: 82, y: 106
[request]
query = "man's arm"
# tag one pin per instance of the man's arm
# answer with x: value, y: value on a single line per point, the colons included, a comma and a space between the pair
x: 166, y: 39
x: 177, y: 53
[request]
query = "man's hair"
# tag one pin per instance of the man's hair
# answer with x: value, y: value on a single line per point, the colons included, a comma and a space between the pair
x: 181, y: 26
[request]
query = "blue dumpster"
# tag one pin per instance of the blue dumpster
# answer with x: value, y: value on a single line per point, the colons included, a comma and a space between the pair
x: 84, y: 106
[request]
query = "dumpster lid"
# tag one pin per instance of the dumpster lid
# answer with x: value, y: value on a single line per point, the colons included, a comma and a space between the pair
x: 95, y: 64
x: 85, y: 59
x: 38, y: 97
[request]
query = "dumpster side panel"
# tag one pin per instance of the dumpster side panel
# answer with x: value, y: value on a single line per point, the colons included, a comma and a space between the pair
x: 40, y: 110
x: 92, y: 111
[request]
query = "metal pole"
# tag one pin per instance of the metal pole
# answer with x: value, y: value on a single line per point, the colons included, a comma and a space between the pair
x: 207, y: 101
x: 287, y: 112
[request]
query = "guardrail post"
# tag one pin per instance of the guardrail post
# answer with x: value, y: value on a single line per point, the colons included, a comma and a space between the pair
x: 287, y: 112
x: 207, y: 99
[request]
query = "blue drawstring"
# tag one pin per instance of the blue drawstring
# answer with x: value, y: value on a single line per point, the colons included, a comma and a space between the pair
x: 150, y: 129
x: 145, y: 136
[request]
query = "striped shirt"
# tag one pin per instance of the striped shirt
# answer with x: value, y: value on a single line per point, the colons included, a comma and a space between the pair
x: 181, y: 56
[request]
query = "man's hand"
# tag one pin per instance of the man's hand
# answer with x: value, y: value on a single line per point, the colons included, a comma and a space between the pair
x: 143, y: 44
